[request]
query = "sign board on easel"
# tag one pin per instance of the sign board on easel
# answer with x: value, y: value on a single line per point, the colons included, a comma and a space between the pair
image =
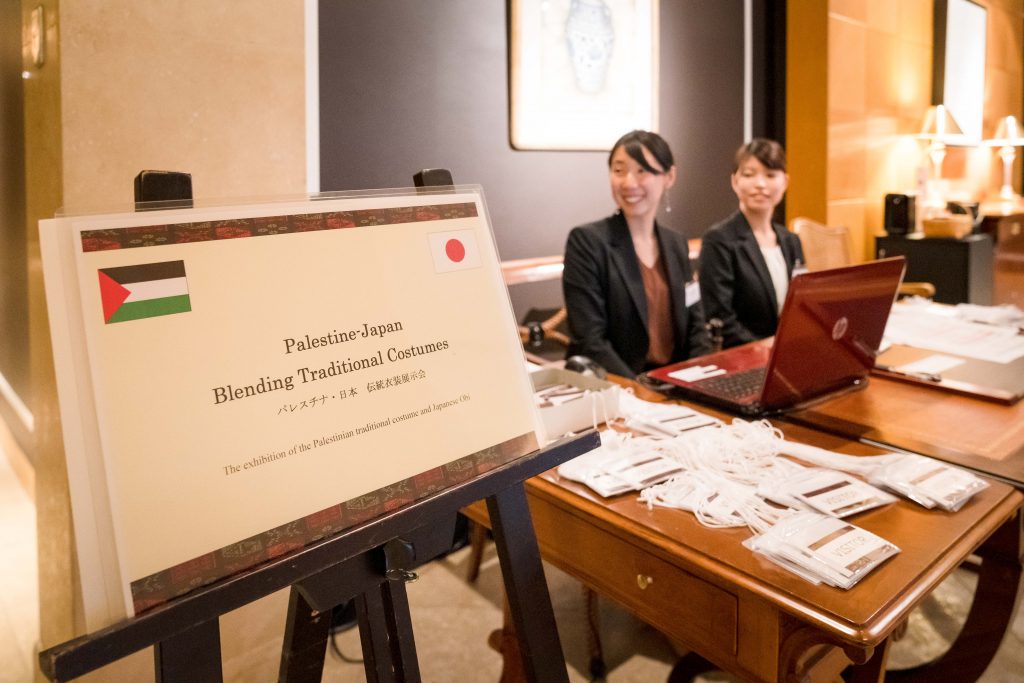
x: 239, y: 381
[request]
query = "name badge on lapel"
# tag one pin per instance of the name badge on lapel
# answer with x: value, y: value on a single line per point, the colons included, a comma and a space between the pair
x: 692, y: 293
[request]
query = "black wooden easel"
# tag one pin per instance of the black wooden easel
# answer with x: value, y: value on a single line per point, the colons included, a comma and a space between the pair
x: 370, y: 563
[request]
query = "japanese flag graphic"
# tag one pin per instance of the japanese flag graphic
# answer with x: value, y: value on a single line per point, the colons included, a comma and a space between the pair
x: 454, y: 250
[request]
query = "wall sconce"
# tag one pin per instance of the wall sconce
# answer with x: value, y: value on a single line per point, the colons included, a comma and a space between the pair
x: 939, y: 129
x: 1008, y: 136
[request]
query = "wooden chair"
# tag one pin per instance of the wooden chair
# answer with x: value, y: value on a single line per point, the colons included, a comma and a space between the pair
x: 828, y: 246
x: 537, y: 269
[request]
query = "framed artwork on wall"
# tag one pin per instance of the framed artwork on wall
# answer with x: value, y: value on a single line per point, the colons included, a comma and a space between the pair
x: 581, y: 72
x: 958, y: 66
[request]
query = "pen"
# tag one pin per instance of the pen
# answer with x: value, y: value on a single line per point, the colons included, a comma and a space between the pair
x: 926, y: 376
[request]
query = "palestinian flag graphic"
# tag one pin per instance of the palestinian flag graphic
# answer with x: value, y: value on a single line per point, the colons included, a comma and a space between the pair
x: 143, y: 291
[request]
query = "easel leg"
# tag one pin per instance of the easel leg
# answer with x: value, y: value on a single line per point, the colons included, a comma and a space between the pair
x: 399, y: 621
x: 305, y: 641
x: 192, y: 655
x: 385, y: 629
x: 525, y: 586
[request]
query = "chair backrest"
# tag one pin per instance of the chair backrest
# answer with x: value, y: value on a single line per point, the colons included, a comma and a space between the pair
x: 538, y: 269
x: 532, y: 269
x: 825, y: 246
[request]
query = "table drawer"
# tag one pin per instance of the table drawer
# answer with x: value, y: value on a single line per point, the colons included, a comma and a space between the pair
x: 678, y: 603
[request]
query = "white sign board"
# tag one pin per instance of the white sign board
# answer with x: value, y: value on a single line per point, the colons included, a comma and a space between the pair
x: 237, y: 382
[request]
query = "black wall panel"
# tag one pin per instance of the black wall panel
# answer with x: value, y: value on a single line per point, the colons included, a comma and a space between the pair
x: 411, y: 84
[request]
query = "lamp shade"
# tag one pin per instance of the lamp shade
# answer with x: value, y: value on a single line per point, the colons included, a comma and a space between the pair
x: 939, y: 125
x: 1008, y: 133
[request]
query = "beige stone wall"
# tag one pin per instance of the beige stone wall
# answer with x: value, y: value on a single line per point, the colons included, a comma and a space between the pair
x: 212, y: 88
x: 806, y: 102
x: 878, y: 85
x: 879, y: 66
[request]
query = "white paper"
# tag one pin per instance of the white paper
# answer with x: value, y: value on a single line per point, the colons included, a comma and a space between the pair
x: 936, y: 364
x: 932, y: 328
x: 695, y: 373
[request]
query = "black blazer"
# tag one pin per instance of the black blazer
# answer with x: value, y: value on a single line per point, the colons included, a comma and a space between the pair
x: 605, y: 300
x: 734, y: 282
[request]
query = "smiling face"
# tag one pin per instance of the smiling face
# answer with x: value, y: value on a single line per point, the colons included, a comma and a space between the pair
x: 758, y: 187
x: 636, y: 190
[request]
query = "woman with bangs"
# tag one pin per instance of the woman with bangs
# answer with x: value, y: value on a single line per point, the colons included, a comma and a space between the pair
x: 747, y: 260
x: 629, y: 292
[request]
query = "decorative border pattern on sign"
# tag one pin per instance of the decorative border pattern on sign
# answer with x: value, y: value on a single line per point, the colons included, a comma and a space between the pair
x: 265, y: 226
x: 183, y: 578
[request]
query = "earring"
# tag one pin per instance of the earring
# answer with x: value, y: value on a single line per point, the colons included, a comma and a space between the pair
x: 668, y: 206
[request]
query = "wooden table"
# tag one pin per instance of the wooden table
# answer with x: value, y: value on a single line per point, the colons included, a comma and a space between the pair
x: 702, y: 588
x: 985, y: 436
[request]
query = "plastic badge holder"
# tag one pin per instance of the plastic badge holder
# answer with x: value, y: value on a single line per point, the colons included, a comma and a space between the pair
x: 842, y: 553
x: 835, y: 493
x: 683, y: 492
x: 719, y: 510
x: 605, y: 484
x: 564, y: 413
x: 661, y: 419
x: 557, y: 395
x: 641, y: 468
x: 929, y: 482
x: 612, y: 469
x: 828, y: 549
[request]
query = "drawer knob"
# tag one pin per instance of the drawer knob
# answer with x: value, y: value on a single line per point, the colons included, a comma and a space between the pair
x: 643, y: 581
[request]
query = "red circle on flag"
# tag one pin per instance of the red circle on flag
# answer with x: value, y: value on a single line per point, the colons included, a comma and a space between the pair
x: 455, y: 250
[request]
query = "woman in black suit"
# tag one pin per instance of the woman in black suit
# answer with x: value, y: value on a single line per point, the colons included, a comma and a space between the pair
x: 631, y: 300
x: 746, y: 261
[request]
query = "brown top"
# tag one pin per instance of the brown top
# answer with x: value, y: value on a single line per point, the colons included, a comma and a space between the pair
x: 659, y: 313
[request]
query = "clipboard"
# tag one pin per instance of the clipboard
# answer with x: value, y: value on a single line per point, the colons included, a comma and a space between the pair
x: 1000, y: 382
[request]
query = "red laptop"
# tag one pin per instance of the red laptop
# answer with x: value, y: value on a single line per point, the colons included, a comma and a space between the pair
x: 829, y: 331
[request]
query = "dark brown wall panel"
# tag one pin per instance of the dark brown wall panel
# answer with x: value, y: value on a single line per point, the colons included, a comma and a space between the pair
x: 410, y: 84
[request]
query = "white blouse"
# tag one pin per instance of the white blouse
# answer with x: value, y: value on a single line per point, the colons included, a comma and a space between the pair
x: 777, y: 269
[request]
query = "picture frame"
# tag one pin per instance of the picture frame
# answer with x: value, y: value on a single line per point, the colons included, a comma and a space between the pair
x: 958, y: 66
x: 581, y: 72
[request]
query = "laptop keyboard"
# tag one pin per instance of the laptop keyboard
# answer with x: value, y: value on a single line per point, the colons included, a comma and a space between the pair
x: 736, y: 386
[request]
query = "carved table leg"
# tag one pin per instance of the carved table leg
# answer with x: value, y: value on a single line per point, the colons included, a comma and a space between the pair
x: 598, y: 669
x: 808, y: 654
x: 504, y: 641
x: 991, y: 612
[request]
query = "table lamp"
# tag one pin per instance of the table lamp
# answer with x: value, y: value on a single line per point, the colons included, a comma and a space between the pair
x: 1008, y: 135
x: 939, y: 129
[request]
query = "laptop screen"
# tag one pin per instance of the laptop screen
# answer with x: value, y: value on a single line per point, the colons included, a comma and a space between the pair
x: 830, y: 329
